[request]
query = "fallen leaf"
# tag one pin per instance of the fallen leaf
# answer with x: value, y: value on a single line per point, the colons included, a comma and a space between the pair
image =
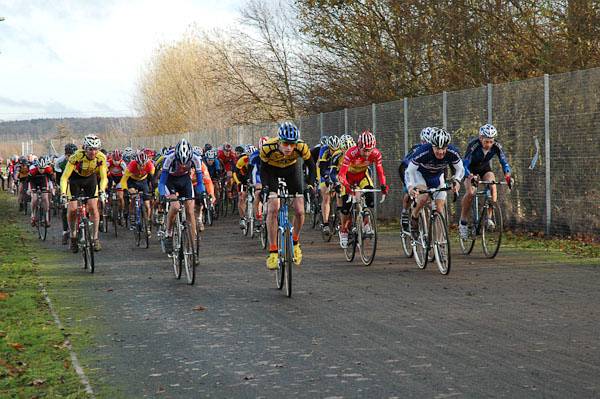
x: 37, y: 382
x: 67, y: 364
x: 199, y: 308
x: 17, y: 346
x: 160, y: 390
x: 3, y: 296
x: 249, y: 377
x: 109, y: 290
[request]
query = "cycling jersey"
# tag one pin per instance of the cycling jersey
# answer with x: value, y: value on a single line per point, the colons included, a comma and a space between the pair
x: 240, y: 174
x: 228, y: 161
x: 22, y: 171
x: 80, y: 165
x: 254, y: 163
x: 323, y: 162
x: 431, y: 168
x: 354, y: 166
x: 133, y: 171
x: 116, y: 168
x: 337, y: 159
x: 173, y: 168
x: 215, y: 170
x: 207, y: 184
x: 272, y: 155
x: 314, y: 152
x: 477, y: 160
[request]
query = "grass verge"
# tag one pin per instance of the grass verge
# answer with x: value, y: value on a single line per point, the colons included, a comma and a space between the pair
x: 34, y: 362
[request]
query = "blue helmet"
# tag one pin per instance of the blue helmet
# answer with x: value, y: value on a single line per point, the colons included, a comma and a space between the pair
x: 289, y: 132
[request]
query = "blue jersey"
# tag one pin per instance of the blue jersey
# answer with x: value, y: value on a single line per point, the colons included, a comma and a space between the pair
x: 427, y: 163
x: 215, y: 170
x: 475, y: 158
x: 254, y: 165
x: 409, y: 155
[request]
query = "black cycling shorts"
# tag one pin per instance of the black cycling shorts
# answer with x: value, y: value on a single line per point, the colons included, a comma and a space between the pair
x: 482, y: 170
x: 292, y: 174
x: 182, y: 185
x: 40, y: 182
x: 141, y: 186
x: 77, y: 184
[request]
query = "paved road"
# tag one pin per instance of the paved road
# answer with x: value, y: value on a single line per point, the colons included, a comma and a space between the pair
x: 519, y: 326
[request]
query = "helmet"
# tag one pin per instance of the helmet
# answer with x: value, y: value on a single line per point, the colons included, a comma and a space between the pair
x: 440, y: 138
x: 197, y: 150
x: 367, y: 140
x: 425, y: 134
x: 149, y: 151
x: 183, y: 151
x: 164, y: 151
x: 288, y: 132
x: 91, y: 141
x: 43, y: 162
x: 250, y: 149
x: 333, y: 142
x: 211, y: 154
x: 141, y: 158
x: 345, y: 136
x: 117, y: 155
x: 70, y: 148
x: 22, y: 160
x: 488, y: 131
x: 128, y: 153
x: 207, y: 147
x: 239, y: 150
x: 323, y: 141
x: 262, y: 140
x: 347, y: 142
x: 227, y: 147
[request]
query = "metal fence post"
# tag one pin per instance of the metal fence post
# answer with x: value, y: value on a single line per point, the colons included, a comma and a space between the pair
x: 346, y: 120
x: 445, y: 110
x: 405, y: 125
x: 374, y: 130
x: 373, y: 118
x: 547, y: 151
x: 489, y: 103
x: 321, y: 123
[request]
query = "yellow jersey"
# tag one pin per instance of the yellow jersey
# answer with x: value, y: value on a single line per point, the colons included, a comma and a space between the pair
x: 272, y: 155
x: 78, y: 163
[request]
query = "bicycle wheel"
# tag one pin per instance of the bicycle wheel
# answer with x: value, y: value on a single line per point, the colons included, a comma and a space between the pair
x: 281, y: 265
x: 144, y: 231
x: 441, y: 243
x: 289, y: 254
x: 315, y: 215
x: 491, y: 229
x: 368, y: 239
x: 405, y: 239
x: 88, y: 251
x: 263, y: 233
x: 176, y: 255
x: 189, y: 256
x: 209, y: 215
x: 420, y: 244
x: 467, y: 244
x: 115, y: 217
x: 37, y: 215
x: 44, y: 220
x: 350, y: 250
x: 138, y: 231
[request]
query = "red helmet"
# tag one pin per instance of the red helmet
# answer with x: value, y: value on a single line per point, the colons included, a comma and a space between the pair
x: 366, y: 140
x: 117, y: 155
x: 227, y: 147
x: 141, y: 158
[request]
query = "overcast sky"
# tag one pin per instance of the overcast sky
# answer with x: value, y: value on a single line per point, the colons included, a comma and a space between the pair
x: 82, y: 58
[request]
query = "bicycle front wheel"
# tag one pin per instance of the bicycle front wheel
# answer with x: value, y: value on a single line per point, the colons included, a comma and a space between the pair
x: 189, y: 258
x: 491, y: 230
x: 263, y: 233
x: 441, y: 243
x: 289, y: 254
x: 44, y: 219
x: 115, y: 216
x: 177, y: 253
x: 88, y: 251
x: 406, y: 241
x: 421, y: 242
x: 281, y: 265
x: 368, y: 236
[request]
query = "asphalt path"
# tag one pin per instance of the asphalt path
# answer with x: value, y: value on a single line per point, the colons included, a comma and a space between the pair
x: 521, y: 325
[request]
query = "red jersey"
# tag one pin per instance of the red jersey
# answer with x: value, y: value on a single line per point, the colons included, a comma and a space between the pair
x: 115, y: 168
x: 139, y: 173
x: 35, y: 170
x: 356, y: 164
x: 228, y: 161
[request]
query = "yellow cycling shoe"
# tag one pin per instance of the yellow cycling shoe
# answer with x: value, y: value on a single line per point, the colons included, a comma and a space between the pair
x: 297, y: 255
x: 272, y: 261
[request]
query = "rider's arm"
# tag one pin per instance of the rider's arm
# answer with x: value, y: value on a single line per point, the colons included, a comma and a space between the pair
x: 124, y: 178
x: 411, y: 175
x: 162, y: 182
x: 379, y: 168
x: 64, y: 179
x: 460, y: 170
x: 210, y: 189
x: 502, y: 158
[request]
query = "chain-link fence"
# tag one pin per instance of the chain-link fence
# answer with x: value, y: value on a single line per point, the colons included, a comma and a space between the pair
x: 548, y: 127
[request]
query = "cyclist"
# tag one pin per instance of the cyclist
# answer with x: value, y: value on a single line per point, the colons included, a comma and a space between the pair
x: 176, y: 182
x: 228, y: 160
x: 279, y: 159
x: 135, y: 179
x: 22, y: 174
x: 254, y: 163
x: 59, y: 166
x: 201, y: 190
x: 215, y: 170
x: 240, y: 177
x: 478, y: 155
x: 354, y: 172
x: 41, y: 175
x: 116, y: 168
x: 425, y: 137
x: 323, y: 165
x: 426, y: 170
x: 81, y: 174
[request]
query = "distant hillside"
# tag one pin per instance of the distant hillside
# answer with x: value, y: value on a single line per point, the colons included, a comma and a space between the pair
x: 45, y: 128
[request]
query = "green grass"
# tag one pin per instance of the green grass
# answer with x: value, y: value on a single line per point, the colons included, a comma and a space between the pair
x: 553, y: 246
x: 34, y: 361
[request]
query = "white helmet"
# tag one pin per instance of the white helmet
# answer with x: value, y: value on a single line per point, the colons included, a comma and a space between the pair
x: 426, y: 134
x: 91, y: 141
x: 333, y: 142
x: 183, y: 151
x: 488, y: 131
x: 440, y: 138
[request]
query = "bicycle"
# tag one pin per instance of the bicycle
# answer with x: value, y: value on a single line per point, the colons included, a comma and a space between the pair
x: 358, y: 236
x: 316, y: 208
x: 285, y: 252
x: 41, y: 215
x: 183, y: 255
x: 114, y: 209
x: 140, y: 225
x: 488, y: 227
x: 209, y: 211
x: 85, y: 229
x: 334, y: 219
x: 248, y: 229
x: 263, y: 237
x: 104, y: 205
x: 432, y: 234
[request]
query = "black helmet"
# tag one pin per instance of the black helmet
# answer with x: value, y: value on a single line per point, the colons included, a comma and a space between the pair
x: 70, y: 148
